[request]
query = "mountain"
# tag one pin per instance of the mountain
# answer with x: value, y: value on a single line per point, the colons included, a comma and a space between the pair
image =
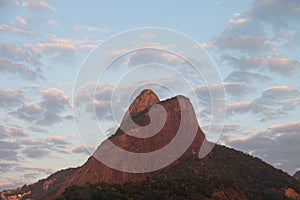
x: 223, y: 174
x: 297, y: 175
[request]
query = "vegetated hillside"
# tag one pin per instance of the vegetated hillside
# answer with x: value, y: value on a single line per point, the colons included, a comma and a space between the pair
x: 224, y: 174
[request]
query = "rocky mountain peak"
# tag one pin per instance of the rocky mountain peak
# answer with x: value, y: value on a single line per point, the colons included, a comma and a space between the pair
x: 218, y: 175
x: 144, y: 100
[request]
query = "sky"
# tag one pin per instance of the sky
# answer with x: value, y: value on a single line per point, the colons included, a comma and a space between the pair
x: 254, y: 44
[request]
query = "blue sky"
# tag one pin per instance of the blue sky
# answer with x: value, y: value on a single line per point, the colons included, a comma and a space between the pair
x: 254, y: 43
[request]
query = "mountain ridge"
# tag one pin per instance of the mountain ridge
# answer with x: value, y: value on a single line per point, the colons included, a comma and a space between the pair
x: 178, y: 110
x: 219, y: 175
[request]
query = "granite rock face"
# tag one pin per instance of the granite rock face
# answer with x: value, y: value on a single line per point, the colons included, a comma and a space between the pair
x: 151, y: 125
x: 160, y: 121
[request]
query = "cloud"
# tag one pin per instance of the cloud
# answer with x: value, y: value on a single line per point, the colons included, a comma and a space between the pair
x: 20, y: 61
x: 16, y: 68
x: 16, y: 131
x: 6, y: 166
x: 41, y: 147
x: 12, y: 131
x: 279, y: 92
x: 273, y: 103
x: 275, y: 63
x: 31, y: 112
x: 291, y: 127
x: 228, y: 130
x: 12, y: 98
x: 9, y: 28
x: 90, y: 29
x: 45, y: 170
x: 245, y: 43
x: 244, y: 35
x: 246, y: 77
x: 3, y: 132
x: 206, y: 45
x: 58, y: 141
x: 19, y: 26
x: 250, y: 32
x: 146, y: 56
x: 22, y: 21
x: 278, y: 144
x: 55, y: 100
x: 11, y: 52
x: 37, y: 5
x: 9, y: 150
x: 83, y: 149
x: 35, y: 152
x: 7, y: 2
x: 233, y: 89
x: 48, y: 111
x: 275, y: 12
x: 59, y: 49
x: 53, y: 141
x: 239, y: 108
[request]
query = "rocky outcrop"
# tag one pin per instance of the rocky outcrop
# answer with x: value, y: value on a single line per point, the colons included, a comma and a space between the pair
x: 152, y: 125
x: 144, y: 100
x: 177, y: 111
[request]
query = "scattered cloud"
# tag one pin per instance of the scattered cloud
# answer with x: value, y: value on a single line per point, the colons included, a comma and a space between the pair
x: 6, y: 166
x: 90, y: 29
x: 22, y: 21
x: 59, y: 49
x: 37, y: 5
x: 12, y: 98
x: 276, y: 144
x: 239, y: 108
x: 35, y: 152
x: 146, y: 56
x: 19, y: 26
x: 9, y: 28
x: 19, y: 69
x: 245, y: 43
x: 41, y: 147
x: 7, y: 2
x: 37, y: 169
x: 83, y: 149
x: 247, y: 77
x: 206, y: 45
x: 275, y: 63
x: 9, y: 150
x: 29, y: 113
x: 13, y: 131
x: 47, y: 112
x: 275, y: 12
x: 233, y: 89
x: 20, y: 61
x: 273, y: 103
x: 237, y: 20
x: 55, y: 100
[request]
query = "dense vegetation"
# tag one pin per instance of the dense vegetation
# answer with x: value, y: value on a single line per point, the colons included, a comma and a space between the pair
x: 224, y: 170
